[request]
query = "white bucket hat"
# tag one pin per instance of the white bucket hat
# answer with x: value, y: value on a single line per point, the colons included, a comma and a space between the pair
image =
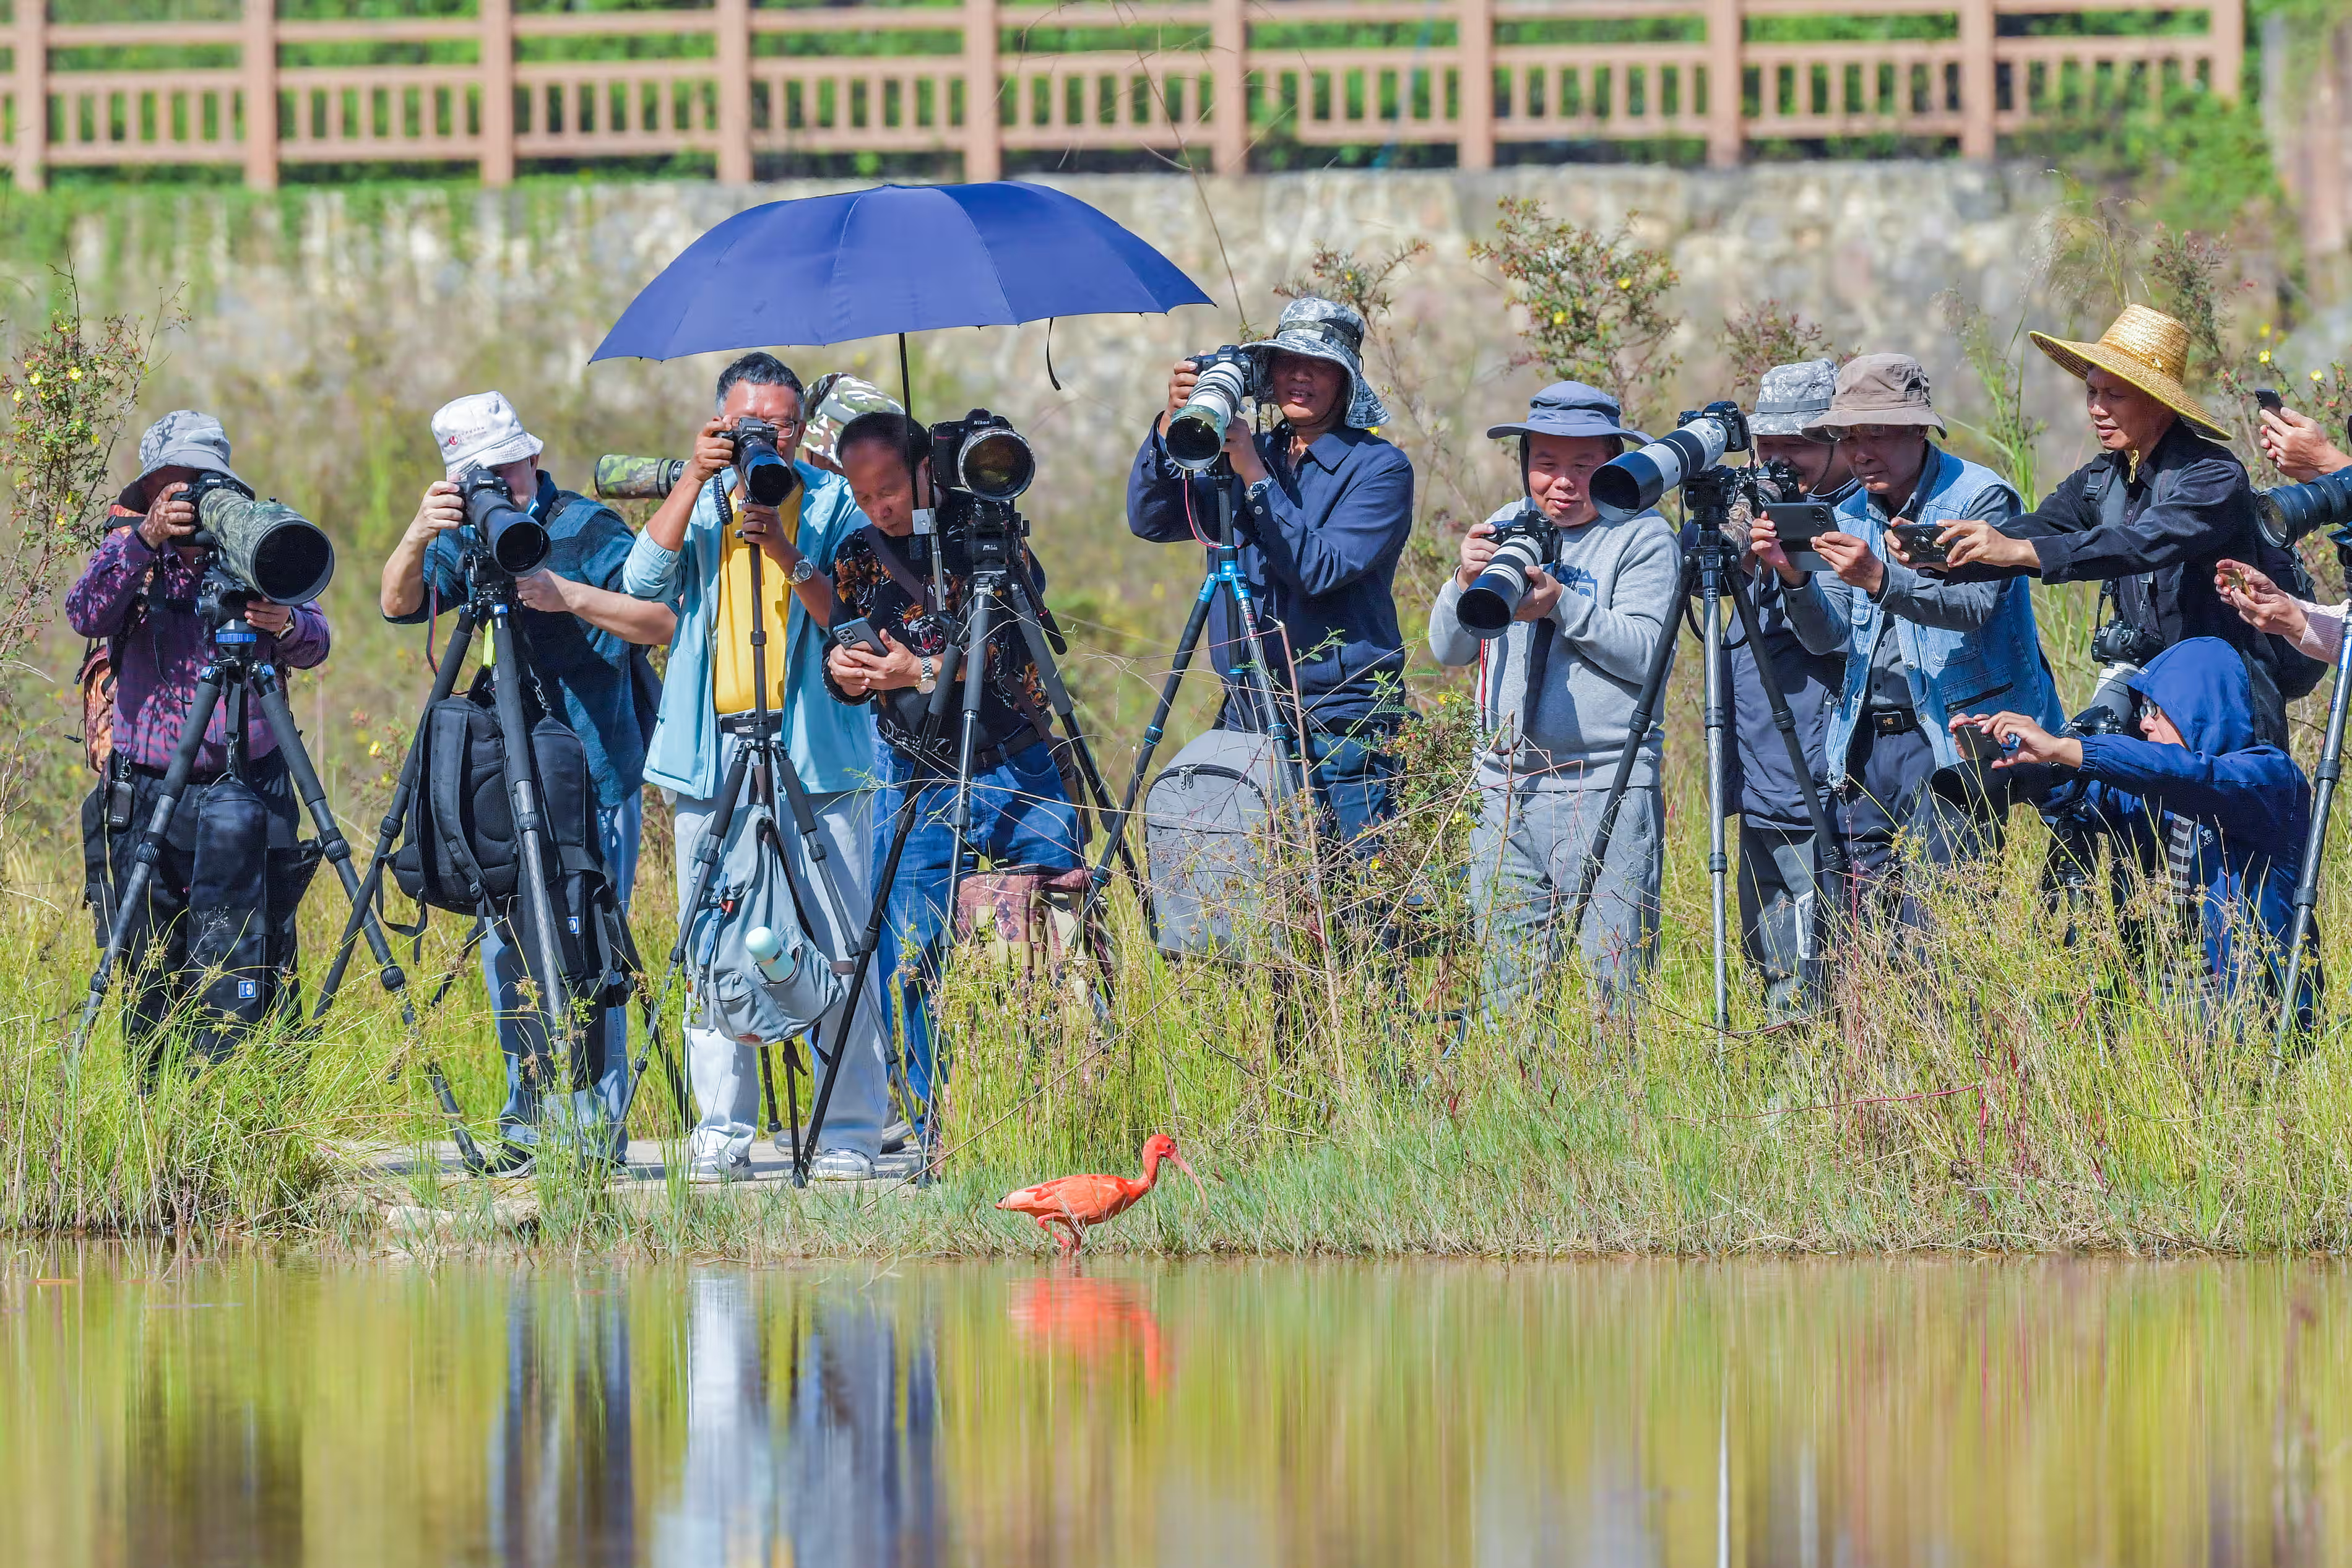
x: 481, y: 428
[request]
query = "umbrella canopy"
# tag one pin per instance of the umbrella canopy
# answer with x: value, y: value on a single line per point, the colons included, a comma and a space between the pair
x: 894, y: 260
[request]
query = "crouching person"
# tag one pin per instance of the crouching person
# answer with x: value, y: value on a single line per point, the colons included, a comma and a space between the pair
x: 1557, y: 693
x: 2225, y: 815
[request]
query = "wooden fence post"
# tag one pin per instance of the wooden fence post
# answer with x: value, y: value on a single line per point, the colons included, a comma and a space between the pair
x: 31, y: 42
x: 2226, y: 22
x: 734, y: 50
x: 1229, y: 127
x: 498, y: 153
x: 1473, y: 54
x: 983, y: 147
x: 1726, y: 131
x: 1977, y: 138
x: 259, y: 45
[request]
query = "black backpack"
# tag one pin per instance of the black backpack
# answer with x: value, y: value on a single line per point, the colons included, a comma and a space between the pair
x: 462, y: 855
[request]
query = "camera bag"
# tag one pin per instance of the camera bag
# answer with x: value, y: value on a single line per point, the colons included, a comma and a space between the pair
x: 1208, y: 825
x: 753, y: 887
x: 462, y: 853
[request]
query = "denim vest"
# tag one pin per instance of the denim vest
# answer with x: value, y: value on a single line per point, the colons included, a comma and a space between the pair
x: 1998, y: 666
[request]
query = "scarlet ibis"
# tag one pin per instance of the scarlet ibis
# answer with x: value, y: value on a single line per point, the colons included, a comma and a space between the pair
x: 1075, y: 1202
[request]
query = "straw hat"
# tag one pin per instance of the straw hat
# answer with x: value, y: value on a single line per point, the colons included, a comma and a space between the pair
x: 2146, y: 348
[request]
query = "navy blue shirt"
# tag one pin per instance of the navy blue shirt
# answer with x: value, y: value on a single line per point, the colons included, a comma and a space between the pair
x: 1318, y: 545
x: 586, y: 668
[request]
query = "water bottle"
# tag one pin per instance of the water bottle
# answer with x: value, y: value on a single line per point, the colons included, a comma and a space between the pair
x: 767, y: 951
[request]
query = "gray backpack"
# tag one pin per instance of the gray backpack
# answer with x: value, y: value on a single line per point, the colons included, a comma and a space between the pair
x: 752, y: 888
x: 1205, y: 824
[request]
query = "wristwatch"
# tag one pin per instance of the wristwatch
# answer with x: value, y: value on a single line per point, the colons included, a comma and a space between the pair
x: 803, y: 570
x: 928, y: 681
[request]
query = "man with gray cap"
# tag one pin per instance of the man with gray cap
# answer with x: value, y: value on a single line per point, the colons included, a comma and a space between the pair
x: 583, y: 635
x: 139, y: 594
x: 1322, y: 514
x: 1779, y: 861
x: 1917, y: 650
x: 1557, y: 692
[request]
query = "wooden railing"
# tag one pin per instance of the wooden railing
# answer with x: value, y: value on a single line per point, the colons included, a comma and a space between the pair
x: 733, y: 81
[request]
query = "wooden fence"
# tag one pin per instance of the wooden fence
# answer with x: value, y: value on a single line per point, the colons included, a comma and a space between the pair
x: 733, y: 82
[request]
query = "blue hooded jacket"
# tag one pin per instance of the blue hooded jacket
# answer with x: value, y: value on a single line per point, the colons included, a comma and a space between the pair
x: 2252, y: 802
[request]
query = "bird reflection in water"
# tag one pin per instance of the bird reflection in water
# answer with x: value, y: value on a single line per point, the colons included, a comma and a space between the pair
x: 1099, y: 1323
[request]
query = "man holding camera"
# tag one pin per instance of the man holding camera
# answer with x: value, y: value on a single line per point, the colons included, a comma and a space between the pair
x: 580, y: 634
x: 1917, y: 650
x: 1779, y: 861
x: 1021, y: 810
x: 696, y: 555
x: 1557, y: 693
x: 2152, y: 515
x: 1324, y: 508
x: 139, y: 594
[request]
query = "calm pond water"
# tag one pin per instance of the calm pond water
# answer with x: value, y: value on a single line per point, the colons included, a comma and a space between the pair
x: 1224, y: 1415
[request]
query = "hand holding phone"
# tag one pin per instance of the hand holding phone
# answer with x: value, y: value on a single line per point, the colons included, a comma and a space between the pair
x: 860, y: 634
x: 1918, y: 542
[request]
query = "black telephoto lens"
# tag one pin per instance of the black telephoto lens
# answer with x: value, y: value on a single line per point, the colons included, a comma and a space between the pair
x: 517, y: 544
x: 2291, y: 512
x: 767, y: 478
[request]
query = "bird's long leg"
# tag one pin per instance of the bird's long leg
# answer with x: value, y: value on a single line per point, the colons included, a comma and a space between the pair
x: 1045, y: 1223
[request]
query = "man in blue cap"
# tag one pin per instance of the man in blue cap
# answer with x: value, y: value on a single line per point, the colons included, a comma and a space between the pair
x: 1323, y: 511
x: 1557, y: 692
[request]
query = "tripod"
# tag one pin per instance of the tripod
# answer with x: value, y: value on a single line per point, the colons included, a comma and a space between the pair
x: 1224, y: 572
x: 2325, y: 776
x: 761, y: 761
x: 237, y: 672
x: 998, y: 587
x: 489, y: 600
x: 1712, y: 567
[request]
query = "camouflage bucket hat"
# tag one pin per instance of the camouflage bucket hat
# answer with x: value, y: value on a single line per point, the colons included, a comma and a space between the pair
x: 834, y: 400
x: 1792, y: 397
x: 1327, y: 330
x: 185, y: 438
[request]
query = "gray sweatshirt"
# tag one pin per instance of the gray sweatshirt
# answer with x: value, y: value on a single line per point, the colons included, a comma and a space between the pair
x: 1619, y: 600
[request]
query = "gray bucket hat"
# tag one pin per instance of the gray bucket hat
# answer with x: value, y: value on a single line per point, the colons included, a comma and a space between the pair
x: 185, y: 439
x: 1327, y: 330
x: 1792, y: 397
x: 1571, y: 408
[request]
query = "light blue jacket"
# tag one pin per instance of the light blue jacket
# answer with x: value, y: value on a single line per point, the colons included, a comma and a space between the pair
x: 831, y: 743
x: 1985, y: 656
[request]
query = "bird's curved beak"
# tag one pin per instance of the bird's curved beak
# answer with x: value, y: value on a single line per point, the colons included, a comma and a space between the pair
x: 1187, y: 1171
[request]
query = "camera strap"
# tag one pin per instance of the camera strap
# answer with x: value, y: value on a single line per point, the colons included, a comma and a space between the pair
x: 886, y: 550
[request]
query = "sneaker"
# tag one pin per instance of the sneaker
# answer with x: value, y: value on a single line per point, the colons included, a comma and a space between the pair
x: 718, y: 1168
x: 901, y: 1165
x: 509, y: 1159
x: 841, y: 1165
x: 897, y: 1137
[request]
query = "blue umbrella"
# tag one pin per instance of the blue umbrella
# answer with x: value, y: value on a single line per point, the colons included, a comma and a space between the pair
x: 894, y: 260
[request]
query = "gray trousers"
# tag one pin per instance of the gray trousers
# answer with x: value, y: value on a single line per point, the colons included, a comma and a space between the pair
x: 1779, y: 913
x: 1527, y: 856
x: 725, y: 1073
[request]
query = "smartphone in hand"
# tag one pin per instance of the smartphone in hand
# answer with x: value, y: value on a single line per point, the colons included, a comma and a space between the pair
x: 2268, y: 399
x: 1798, y: 524
x: 859, y: 633
x: 1918, y: 542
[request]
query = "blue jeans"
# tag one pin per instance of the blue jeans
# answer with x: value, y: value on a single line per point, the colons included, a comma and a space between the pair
x: 1350, y: 780
x: 604, y: 1046
x: 1020, y: 816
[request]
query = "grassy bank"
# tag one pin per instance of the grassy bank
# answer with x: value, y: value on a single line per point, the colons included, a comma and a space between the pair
x: 1997, y: 1088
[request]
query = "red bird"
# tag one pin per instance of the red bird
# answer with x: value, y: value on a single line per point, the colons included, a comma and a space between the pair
x: 1075, y: 1202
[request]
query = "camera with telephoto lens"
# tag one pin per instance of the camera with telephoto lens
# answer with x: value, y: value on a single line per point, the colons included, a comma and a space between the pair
x: 1230, y: 376
x: 980, y: 466
x: 1634, y: 482
x: 1524, y: 541
x: 768, y: 478
x: 2122, y: 650
x: 2291, y: 512
x: 511, y: 540
x: 258, y: 549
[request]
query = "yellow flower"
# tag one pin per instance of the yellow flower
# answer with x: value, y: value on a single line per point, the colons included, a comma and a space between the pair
x: 20, y: 394
x: 2264, y: 357
x: 2317, y: 377
x: 1557, y: 316
x: 2265, y: 330
x: 36, y: 378
x: 375, y: 748
x: 1624, y: 283
x: 74, y: 374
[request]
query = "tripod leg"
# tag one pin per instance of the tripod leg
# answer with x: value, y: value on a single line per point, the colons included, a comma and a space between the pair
x: 2325, y: 778
x: 975, y: 680
x: 791, y: 1101
x: 909, y: 807
x: 768, y: 1090
x: 338, y: 854
x: 1645, y: 709
x: 523, y: 790
x: 1116, y: 827
x: 1718, y: 864
x: 132, y: 900
x: 396, y: 816
x: 1829, y: 864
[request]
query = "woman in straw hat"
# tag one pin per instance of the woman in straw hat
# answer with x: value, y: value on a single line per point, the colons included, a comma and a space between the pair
x: 2153, y: 515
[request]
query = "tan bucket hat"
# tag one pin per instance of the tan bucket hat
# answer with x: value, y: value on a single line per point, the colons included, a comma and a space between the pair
x: 2146, y: 348
x: 1879, y: 388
